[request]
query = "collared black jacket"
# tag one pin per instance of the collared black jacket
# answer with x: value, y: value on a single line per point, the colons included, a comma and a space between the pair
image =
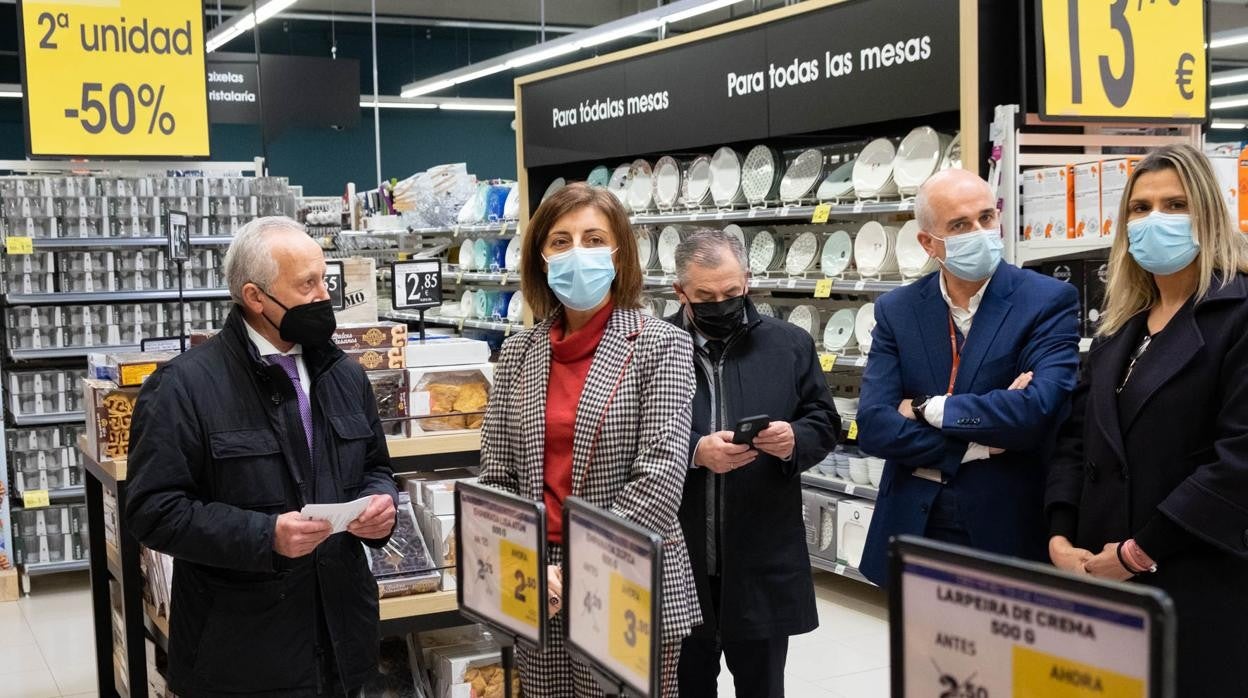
x: 770, y: 367
x: 217, y: 452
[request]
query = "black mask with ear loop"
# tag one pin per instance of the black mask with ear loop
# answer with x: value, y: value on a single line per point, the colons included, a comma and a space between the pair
x: 308, y: 324
x: 719, y: 320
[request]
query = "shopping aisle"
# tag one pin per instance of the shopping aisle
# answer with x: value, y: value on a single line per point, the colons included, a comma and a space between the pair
x: 46, y: 647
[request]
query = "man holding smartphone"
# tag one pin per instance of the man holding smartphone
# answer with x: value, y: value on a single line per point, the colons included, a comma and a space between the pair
x: 762, y: 415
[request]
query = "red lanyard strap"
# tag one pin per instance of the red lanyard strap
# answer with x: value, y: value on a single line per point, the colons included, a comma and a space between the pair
x: 957, y: 355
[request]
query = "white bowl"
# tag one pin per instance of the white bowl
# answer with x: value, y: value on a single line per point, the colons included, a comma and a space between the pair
x: 875, y: 478
x: 858, y: 471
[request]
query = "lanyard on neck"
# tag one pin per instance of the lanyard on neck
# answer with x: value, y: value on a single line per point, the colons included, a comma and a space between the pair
x: 957, y: 355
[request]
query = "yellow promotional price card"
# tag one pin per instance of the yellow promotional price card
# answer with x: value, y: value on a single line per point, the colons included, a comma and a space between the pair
x: 35, y: 499
x: 519, y: 582
x: 1041, y: 675
x: 629, y: 632
x: 853, y: 430
x: 823, y: 288
x: 827, y: 362
x: 822, y: 211
x: 19, y: 245
x: 114, y: 78
x: 1124, y: 60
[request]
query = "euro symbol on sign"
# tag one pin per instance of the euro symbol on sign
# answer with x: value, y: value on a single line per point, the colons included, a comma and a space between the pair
x: 1183, y: 76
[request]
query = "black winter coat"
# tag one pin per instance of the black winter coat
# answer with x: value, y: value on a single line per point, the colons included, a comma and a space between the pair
x: 1166, y: 462
x: 770, y: 367
x: 217, y: 453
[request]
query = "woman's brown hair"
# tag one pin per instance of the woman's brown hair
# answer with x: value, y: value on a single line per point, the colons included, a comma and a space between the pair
x: 627, y: 286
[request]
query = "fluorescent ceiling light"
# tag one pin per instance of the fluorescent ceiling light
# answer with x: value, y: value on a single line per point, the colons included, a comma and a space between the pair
x: 700, y: 9
x: 469, y: 106
x: 1229, y: 102
x: 1228, y: 125
x: 244, y: 22
x: 543, y: 55
x: 271, y: 8
x: 10, y: 91
x: 478, y: 74
x: 426, y: 89
x: 396, y: 104
x: 620, y: 33
x: 448, y: 103
x: 1235, y: 37
x: 1229, y: 77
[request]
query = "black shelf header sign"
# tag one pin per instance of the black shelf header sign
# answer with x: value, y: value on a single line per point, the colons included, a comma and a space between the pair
x: 857, y: 62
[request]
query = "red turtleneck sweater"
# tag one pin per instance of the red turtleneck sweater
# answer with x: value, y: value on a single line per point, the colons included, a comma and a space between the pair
x: 570, y: 359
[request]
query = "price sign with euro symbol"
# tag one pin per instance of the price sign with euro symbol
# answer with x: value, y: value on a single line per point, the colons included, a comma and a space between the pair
x: 1123, y: 60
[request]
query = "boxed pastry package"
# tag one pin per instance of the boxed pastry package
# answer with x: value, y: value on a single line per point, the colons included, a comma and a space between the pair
x: 382, y: 359
x: 127, y: 370
x: 109, y: 409
x: 440, y: 535
x: 383, y: 334
x: 446, y: 351
x: 449, y: 398
x: 390, y: 390
x: 471, y: 671
x: 404, y: 565
x: 413, y: 483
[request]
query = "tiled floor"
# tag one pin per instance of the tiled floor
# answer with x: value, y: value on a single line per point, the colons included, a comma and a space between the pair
x: 46, y: 646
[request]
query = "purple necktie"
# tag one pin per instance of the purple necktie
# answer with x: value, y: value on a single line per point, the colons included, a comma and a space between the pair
x: 287, y: 362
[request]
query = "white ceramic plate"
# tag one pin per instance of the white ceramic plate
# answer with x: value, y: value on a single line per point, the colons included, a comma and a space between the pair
x: 726, y: 177
x: 468, y: 255
x: 511, y: 207
x: 875, y: 249
x: 468, y: 304
x: 481, y: 255
x: 758, y: 174
x: 619, y: 183
x: 640, y: 186
x: 696, y: 185
x: 873, y: 170
x: 670, y: 308
x: 485, y: 304
x: 802, y: 254
x: 645, y: 248
x: 669, y: 240
x: 912, y: 259
x: 838, y: 184
x: 953, y: 154
x: 839, y: 333
x: 838, y: 254
x: 666, y: 182
x: 864, y: 322
x: 735, y: 231
x: 918, y: 157
x: 555, y: 186
x: 515, y: 307
x: 762, y: 252
x: 802, y: 176
x: 600, y: 176
x: 765, y: 310
x: 805, y: 317
x: 513, y: 254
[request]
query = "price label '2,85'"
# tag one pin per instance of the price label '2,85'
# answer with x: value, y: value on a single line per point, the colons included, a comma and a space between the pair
x: 417, y: 284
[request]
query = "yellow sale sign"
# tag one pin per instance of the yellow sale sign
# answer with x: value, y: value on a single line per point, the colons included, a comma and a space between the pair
x: 120, y: 78
x: 1124, y: 59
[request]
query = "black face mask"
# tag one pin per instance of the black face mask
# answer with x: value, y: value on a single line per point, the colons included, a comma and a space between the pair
x: 308, y: 324
x: 719, y: 320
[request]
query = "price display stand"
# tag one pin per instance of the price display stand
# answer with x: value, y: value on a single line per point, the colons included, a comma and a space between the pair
x: 501, y: 567
x: 335, y: 284
x: 612, y: 579
x: 178, y: 228
x: 968, y: 623
x: 417, y: 286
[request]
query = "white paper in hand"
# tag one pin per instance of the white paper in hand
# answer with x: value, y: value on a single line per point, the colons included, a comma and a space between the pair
x: 338, y: 515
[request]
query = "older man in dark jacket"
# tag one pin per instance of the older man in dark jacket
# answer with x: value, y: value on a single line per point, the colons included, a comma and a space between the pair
x: 229, y: 441
x: 742, y: 506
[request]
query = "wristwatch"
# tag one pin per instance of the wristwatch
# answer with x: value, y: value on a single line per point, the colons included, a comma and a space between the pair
x: 917, y: 405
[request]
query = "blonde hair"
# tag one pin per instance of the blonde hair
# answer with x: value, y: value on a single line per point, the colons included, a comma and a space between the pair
x: 1223, y: 250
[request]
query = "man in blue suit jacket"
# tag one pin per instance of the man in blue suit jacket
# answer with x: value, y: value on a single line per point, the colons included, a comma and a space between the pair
x: 969, y: 376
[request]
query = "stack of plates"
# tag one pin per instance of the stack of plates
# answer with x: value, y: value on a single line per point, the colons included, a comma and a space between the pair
x: 953, y: 154
x: 838, y: 253
x: 760, y: 175
x: 803, y: 254
x: 483, y: 254
x: 473, y: 210
x: 511, y: 207
x: 670, y: 308
x: 600, y: 176
x: 765, y: 310
x: 498, y: 255
x: 838, y: 184
x: 515, y: 307
x: 766, y: 253
x: 619, y: 183
x: 555, y: 186
x: 805, y: 317
x: 912, y: 259
x: 667, y: 182
x: 468, y: 304
x: 875, y: 471
x: 863, y: 324
x: 918, y: 157
x: 696, y: 184
x: 875, y: 249
x: 468, y: 255
x: 487, y: 303
x: 802, y: 176
x: 726, y: 178
x: 496, y: 202
x: 733, y: 230
x: 669, y: 240
x: 512, y: 256
x: 645, y: 248
x: 858, y: 471
x: 640, y: 186
x: 873, y: 170
x: 838, y: 335
x: 847, y: 407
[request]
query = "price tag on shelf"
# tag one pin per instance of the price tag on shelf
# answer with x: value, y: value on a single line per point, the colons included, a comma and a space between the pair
x: 858, y: 206
x: 753, y: 213
x: 821, y: 214
x: 784, y: 212
x: 35, y: 499
x: 860, y: 285
x: 907, y: 205
x: 502, y: 229
x: 507, y: 330
x: 823, y: 288
x: 719, y: 215
x: 461, y: 324
x: 850, y: 488
x: 853, y: 430
x: 792, y: 283
x: 455, y: 231
x: 19, y: 245
x: 506, y: 276
x: 827, y: 362
x: 840, y: 569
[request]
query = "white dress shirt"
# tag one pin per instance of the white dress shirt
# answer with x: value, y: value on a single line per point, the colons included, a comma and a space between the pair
x: 934, y: 410
x: 266, y: 348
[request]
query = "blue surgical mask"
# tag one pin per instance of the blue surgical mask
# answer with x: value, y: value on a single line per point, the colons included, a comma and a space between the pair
x: 973, y: 256
x: 581, y: 277
x: 1162, y: 243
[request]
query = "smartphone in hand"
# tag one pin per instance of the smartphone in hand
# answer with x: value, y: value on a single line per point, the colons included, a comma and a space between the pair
x: 748, y: 428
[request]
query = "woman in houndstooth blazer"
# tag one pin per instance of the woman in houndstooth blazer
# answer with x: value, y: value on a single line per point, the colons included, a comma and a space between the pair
x: 617, y: 421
